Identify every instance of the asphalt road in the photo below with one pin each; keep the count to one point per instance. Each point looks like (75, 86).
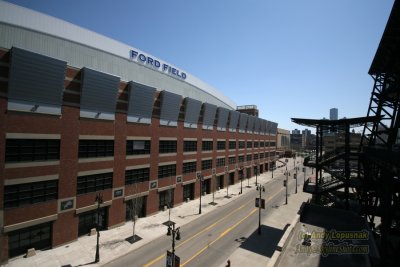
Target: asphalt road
(210, 239)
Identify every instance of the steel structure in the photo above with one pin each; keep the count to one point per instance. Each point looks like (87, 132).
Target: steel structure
(365, 178)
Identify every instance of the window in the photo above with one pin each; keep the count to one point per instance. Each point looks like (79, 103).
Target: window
(272, 143)
(256, 144)
(38, 237)
(189, 146)
(188, 191)
(241, 158)
(249, 157)
(166, 171)
(94, 182)
(220, 162)
(206, 164)
(241, 144)
(26, 150)
(249, 144)
(232, 160)
(167, 146)
(255, 156)
(88, 221)
(189, 167)
(137, 147)
(262, 144)
(207, 145)
(96, 148)
(272, 153)
(266, 154)
(232, 144)
(137, 176)
(221, 145)
(26, 194)
(261, 155)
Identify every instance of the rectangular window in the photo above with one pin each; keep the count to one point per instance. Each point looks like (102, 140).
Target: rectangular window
(221, 145)
(241, 158)
(189, 146)
(220, 162)
(206, 164)
(249, 144)
(26, 194)
(272, 144)
(207, 145)
(137, 147)
(96, 148)
(94, 183)
(262, 144)
(166, 171)
(256, 144)
(272, 153)
(249, 157)
(255, 156)
(266, 154)
(232, 144)
(261, 155)
(137, 176)
(189, 167)
(242, 144)
(167, 146)
(26, 150)
(232, 160)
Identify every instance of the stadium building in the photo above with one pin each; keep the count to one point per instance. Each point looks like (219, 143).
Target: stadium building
(82, 115)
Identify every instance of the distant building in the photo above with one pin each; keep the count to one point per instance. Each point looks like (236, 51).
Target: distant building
(333, 114)
(283, 141)
(296, 131)
(248, 109)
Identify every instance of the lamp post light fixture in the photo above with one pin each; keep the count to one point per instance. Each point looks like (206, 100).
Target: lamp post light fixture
(259, 188)
(256, 169)
(241, 179)
(176, 235)
(99, 200)
(200, 177)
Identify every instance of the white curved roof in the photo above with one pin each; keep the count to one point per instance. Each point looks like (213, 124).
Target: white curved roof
(39, 22)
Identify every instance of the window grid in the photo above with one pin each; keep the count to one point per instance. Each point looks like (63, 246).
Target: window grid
(167, 146)
(206, 164)
(189, 167)
(249, 144)
(256, 144)
(137, 147)
(241, 158)
(261, 155)
(255, 156)
(166, 171)
(189, 146)
(232, 160)
(26, 150)
(207, 145)
(249, 158)
(221, 145)
(94, 183)
(242, 144)
(137, 176)
(220, 162)
(96, 148)
(26, 194)
(232, 144)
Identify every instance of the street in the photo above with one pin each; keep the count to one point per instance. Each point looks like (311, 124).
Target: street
(210, 239)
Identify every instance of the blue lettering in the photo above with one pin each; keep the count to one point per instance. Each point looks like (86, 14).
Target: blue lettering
(165, 67)
(183, 75)
(142, 58)
(133, 54)
(149, 61)
(174, 71)
(157, 64)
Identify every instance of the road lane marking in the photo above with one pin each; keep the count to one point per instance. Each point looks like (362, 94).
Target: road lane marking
(208, 228)
(220, 236)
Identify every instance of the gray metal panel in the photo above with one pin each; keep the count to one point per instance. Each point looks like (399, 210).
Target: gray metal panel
(170, 106)
(263, 126)
(209, 115)
(99, 91)
(257, 125)
(222, 118)
(268, 127)
(274, 127)
(192, 112)
(36, 78)
(243, 121)
(250, 125)
(234, 118)
(141, 102)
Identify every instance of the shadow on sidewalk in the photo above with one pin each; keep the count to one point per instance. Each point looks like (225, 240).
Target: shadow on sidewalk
(264, 244)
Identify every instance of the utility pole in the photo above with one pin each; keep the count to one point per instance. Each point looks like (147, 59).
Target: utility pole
(99, 200)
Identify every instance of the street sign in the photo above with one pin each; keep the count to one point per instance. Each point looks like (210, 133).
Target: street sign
(169, 260)
(262, 203)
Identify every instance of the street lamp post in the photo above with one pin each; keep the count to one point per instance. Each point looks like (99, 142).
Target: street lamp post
(200, 178)
(259, 188)
(286, 184)
(256, 173)
(176, 235)
(99, 200)
(296, 168)
(241, 179)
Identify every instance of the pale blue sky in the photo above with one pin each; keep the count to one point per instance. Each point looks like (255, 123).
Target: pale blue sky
(291, 58)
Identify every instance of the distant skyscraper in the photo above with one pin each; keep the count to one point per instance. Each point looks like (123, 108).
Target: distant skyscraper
(333, 114)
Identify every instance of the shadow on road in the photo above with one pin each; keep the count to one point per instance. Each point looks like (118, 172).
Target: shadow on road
(264, 244)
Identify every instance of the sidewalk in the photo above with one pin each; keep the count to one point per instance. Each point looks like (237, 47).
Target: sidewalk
(113, 243)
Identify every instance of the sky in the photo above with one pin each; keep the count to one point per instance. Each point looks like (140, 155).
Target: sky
(291, 58)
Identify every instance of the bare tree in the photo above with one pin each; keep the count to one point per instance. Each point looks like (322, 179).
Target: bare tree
(134, 206)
